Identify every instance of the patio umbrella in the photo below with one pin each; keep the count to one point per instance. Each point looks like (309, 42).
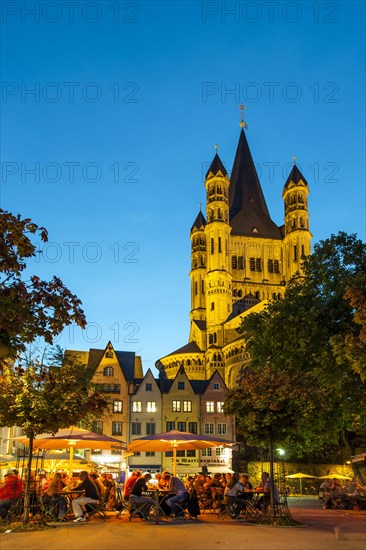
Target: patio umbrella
(300, 476)
(173, 440)
(58, 460)
(334, 476)
(74, 438)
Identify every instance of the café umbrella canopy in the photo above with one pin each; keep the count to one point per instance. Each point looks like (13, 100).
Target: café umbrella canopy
(334, 476)
(74, 438)
(300, 476)
(175, 440)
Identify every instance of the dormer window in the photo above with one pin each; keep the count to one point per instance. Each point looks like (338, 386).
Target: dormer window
(109, 354)
(108, 371)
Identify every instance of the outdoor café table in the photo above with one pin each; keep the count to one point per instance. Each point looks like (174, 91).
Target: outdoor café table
(159, 496)
(70, 496)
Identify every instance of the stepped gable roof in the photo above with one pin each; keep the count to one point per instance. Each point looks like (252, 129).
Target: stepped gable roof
(199, 221)
(191, 347)
(249, 215)
(295, 176)
(216, 166)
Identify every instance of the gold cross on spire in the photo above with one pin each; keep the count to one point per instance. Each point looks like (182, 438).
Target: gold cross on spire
(294, 159)
(200, 206)
(242, 123)
(217, 149)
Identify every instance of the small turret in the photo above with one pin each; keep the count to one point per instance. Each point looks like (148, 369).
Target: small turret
(297, 233)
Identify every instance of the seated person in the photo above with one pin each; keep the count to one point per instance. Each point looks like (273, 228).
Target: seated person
(213, 487)
(181, 494)
(91, 496)
(247, 487)
(199, 483)
(10, 491)
(232, 489)
(137, 498)
(99, 485)
(130, 483)
(265, 487)
(52, 496)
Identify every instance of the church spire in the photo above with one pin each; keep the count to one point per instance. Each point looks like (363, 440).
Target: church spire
(216, 166)
(249, 214)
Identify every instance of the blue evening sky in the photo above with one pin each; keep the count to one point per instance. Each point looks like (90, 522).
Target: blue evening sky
(128, 101)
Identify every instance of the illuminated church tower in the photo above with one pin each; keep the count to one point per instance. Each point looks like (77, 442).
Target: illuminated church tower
(240, 260)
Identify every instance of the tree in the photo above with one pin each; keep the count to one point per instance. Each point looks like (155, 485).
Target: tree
(30, 307)
(40, 398)
(33, 396)
(303, 388)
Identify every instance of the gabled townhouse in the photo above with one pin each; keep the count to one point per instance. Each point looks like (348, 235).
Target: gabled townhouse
(145, 413)
(214, 422)
(181, 411)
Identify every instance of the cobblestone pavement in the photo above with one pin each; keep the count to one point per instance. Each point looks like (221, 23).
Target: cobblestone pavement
(322, 530)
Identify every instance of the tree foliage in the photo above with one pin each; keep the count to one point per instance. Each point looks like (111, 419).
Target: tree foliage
(40, 398)
(30, 307)
(305, 378)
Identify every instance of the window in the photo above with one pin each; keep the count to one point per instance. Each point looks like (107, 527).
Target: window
(136, 428)
(148, 386)
(220, 451)
(109, 388)
(220, 406)
(182, 426)
(222, 428)
(240, 262)
(136, 406)
(176, 406)
(116, 428)
(273, 266)
(234, 262)
(97, 427)
(170, 426)
(295, 253)
(180, 385)
(181, 453)
(109, 355)
(209, 428)
(150, 453)
(210, 406)
(255, 264)
(212, 306)
(195, 288)
(219, 237)
(150, 428)
(168, 453)
(212, 246)
(108, 371)
(117, 406)
(192, 427)
(151, 406)
(187, 406)
(216, 386)
(206, 452)
(191, 454)
(137, 453)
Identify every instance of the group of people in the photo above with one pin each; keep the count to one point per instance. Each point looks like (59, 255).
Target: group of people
(333, 493)
(231, 490)
(138, 484)
(49, 491)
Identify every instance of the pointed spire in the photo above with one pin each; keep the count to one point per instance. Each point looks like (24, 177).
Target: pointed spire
(248, 208)
(199, 222)
(295, 176)
(216, 166)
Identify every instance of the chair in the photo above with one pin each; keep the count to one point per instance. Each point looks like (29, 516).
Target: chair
(97, 509)
(135, 510)
(122, 505)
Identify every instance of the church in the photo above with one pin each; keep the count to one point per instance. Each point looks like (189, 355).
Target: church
(240, 260)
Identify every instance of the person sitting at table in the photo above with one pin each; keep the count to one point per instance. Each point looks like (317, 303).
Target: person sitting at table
(90, 496)
(137, 498)
(52, 496)
(199, 483)
(247, 493)
(212, 487)
(99, 485)
(232, 489)
(10, 490)
(265, 487)
(130, 483)
(181, 494)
